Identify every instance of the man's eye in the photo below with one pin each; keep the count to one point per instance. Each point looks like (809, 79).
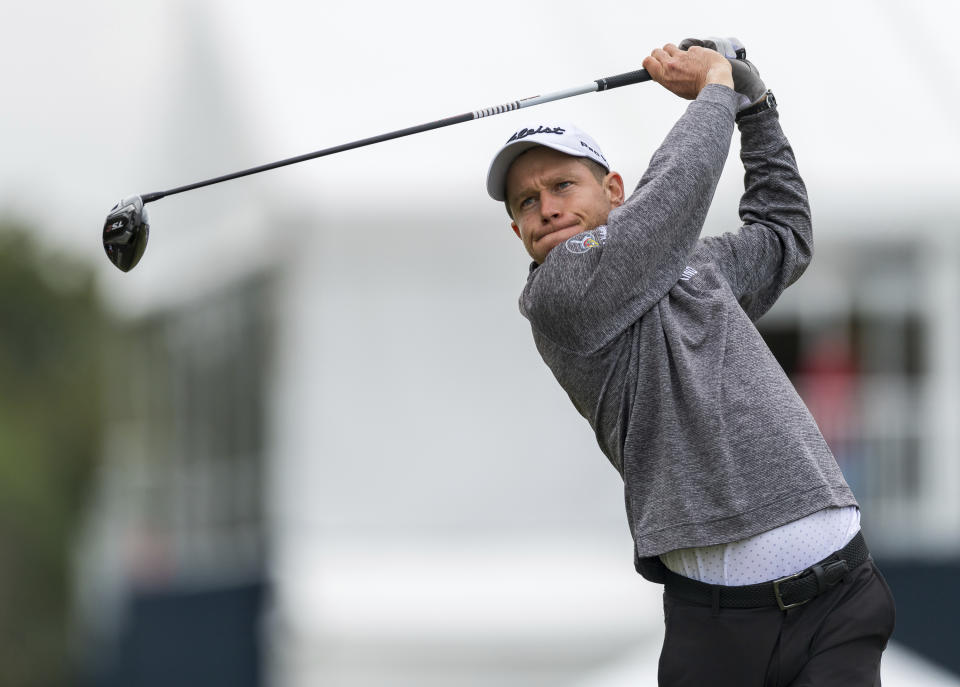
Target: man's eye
(526, 202)
(564, 184)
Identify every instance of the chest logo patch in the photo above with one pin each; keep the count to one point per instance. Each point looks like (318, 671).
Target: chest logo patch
(582, 243)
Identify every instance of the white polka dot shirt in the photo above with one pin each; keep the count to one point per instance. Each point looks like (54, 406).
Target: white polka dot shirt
(769, 555)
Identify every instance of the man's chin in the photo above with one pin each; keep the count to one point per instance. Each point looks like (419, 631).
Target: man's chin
(554, 239)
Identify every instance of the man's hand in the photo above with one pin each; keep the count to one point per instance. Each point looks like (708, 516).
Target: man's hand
(686, 72)
(746, 78)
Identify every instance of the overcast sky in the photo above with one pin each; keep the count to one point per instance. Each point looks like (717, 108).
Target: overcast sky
(102, 98)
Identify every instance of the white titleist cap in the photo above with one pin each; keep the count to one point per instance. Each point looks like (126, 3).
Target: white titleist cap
(565, 138)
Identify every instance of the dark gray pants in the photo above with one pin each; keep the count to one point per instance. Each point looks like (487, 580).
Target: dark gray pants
(835, 639)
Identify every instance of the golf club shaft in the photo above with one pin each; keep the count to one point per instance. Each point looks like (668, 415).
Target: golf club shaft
(599, 85)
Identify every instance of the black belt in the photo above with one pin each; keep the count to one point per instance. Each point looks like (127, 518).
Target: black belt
(787, 592)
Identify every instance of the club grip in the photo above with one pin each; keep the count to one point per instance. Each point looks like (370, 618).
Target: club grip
(625, 79)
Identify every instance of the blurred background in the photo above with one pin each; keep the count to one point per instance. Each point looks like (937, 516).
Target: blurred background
(308, 440)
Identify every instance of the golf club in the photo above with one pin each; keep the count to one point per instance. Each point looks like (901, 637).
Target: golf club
(127, 227)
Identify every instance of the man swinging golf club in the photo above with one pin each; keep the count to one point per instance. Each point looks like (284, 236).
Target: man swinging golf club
(733, 498)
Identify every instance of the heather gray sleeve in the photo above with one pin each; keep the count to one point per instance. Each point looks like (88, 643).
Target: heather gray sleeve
(775, 244)
(593, 287)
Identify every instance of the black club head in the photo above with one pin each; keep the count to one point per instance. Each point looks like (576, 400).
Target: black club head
(125, 233)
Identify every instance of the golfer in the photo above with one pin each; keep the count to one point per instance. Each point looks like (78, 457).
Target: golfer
(733, 498)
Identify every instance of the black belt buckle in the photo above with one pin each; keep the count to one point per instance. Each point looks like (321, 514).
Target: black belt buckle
(776, 591)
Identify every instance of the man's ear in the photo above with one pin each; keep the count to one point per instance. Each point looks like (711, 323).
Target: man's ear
(613, 187)
(516, 230)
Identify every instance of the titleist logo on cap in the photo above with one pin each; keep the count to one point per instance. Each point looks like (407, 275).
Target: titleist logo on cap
(523, 133)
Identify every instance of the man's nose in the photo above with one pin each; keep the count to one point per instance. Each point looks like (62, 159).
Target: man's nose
(549, 206)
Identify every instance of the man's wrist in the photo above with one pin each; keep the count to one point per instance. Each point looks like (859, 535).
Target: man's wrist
(721, 75)
(767, 102)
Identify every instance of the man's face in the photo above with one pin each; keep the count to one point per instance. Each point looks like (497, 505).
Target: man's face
(554, 196)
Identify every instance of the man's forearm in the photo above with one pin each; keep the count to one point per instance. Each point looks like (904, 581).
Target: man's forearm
(774, 193)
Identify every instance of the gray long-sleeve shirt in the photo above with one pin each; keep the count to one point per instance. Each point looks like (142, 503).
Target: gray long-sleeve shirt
(649, 329)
